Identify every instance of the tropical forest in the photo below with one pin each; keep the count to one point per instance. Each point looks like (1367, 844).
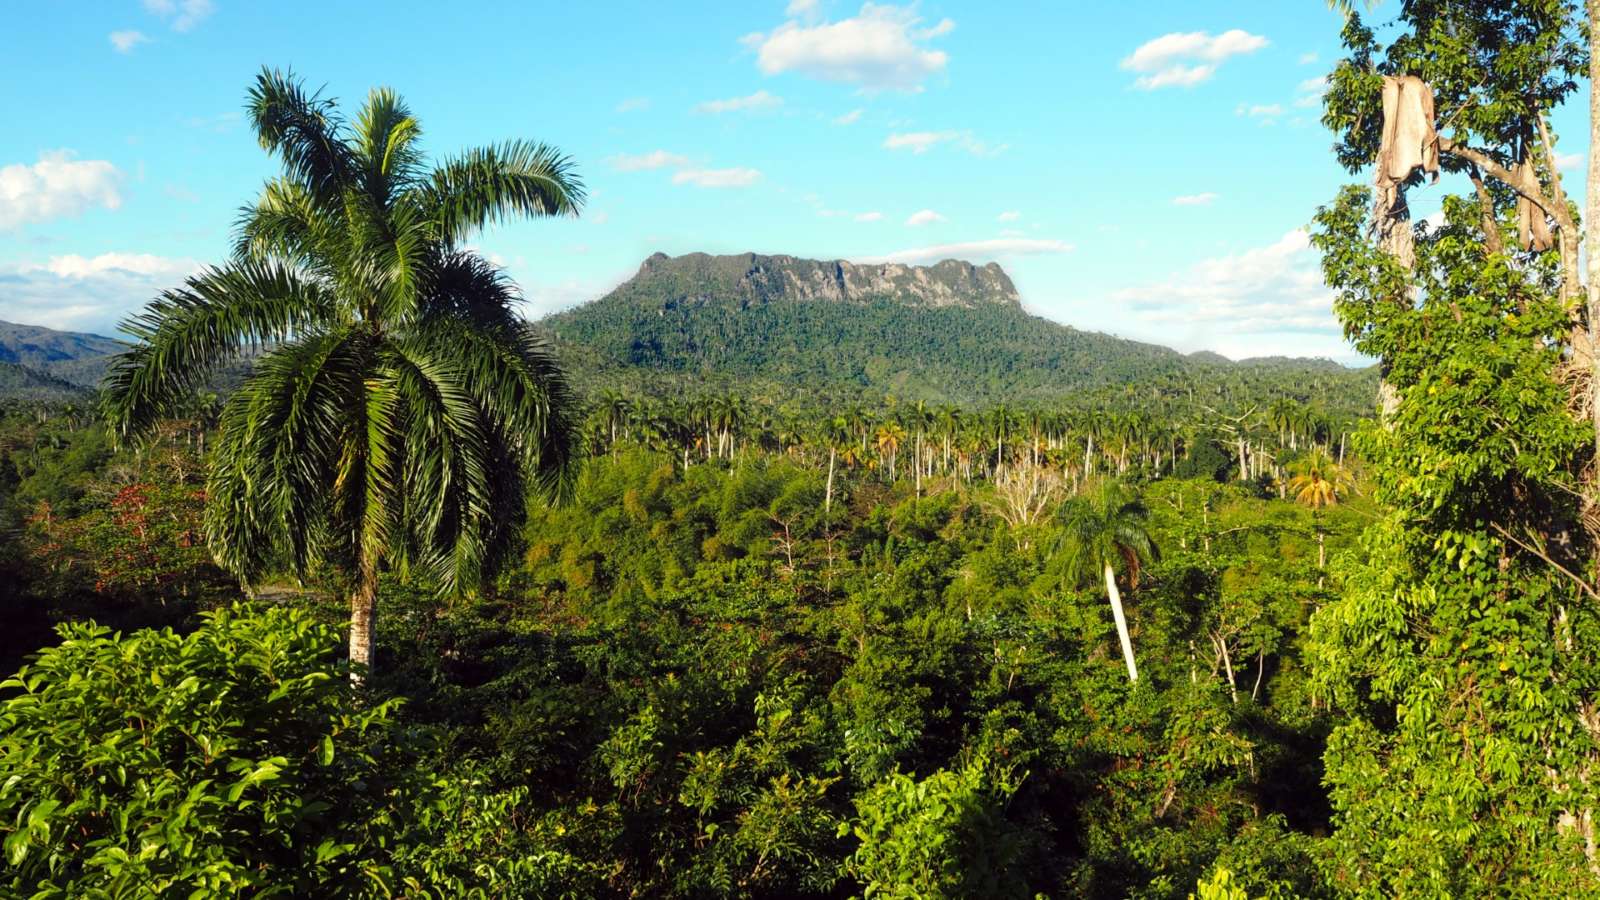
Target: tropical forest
(413, 484)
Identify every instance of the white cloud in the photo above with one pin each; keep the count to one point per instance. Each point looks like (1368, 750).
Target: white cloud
(125, 41)
(1307, 59)
(798, 9)
(924, 217)
(973, 250)
(87, 293)
(718, 178)
(922, 141)
(1009, 215)
(1187, 59)
(881, 48)
(758, 100)
(655, 159)
(1311, 91)
(1568, 162)
(918, 141)
(183, 14)
(1241, 302)
(634, 104)
(873, 216)
(1259, 110)
(1202, 199)
(849, 118)
(1176, 76)
(57, 185)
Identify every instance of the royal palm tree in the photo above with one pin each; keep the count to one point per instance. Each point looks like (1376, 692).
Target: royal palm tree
(1103, 528)
(1318, 483)
(400, 408)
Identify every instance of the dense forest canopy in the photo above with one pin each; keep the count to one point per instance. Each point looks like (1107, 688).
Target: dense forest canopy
(821, 582)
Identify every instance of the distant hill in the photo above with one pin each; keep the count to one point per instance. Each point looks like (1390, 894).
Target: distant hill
(951, 332)
(70, 356)
(24, 383)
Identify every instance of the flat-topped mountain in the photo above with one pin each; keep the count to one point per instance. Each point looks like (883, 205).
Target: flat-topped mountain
(756, 278)
(950, 332)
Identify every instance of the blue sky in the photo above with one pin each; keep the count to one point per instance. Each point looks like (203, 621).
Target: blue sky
(1140, 168)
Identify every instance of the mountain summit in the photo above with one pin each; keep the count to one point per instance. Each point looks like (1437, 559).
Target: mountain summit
(750, 278)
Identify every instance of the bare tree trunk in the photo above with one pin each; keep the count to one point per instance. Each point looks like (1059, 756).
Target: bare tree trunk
(1122, 622)
(1591, 218)
(827, 501)
(1227, 667)
(363, 613)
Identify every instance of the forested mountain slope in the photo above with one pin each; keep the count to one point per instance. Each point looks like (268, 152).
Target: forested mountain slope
(72, 356)
(952, 332)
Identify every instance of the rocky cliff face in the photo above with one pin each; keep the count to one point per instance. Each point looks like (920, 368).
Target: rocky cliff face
(754, 278)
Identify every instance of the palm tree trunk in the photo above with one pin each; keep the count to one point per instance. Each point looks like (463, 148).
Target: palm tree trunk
(1122, 622)
(827, 501)
(363, 612)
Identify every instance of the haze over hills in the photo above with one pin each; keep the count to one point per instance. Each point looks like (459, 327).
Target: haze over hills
(46, 362)
(950, 332)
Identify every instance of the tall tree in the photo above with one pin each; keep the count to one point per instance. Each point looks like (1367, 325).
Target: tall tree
(1460, 656)
(400, 409)
(1103, 529)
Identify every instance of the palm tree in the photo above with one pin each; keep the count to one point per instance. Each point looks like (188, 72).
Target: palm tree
(401, 408)
(1102, 527)
(1318, 483)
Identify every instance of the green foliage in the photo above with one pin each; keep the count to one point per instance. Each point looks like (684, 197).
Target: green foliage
(228, 761)
(943, 836)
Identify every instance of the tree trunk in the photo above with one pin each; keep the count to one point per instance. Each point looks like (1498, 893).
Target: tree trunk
(1591, 218)
(827, 498)
(363, 612)
(1122, 622)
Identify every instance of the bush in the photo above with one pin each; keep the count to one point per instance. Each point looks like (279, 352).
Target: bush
(220, 763)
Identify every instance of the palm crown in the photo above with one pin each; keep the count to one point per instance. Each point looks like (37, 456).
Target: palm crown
(399, 408)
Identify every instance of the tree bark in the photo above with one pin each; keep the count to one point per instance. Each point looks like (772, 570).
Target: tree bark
(1122, 622)
(1591, 216)
(363, 613)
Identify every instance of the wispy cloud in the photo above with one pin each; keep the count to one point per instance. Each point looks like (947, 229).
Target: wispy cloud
(1187, 59)
(57, 186)
(757, 101)
(923, 141)
(1311, 91)
(977, 251)
(184, 15)
(923, 217)
(873, 216)
(634, 104)
(718, 178)
(1009, 215)
(1268, 112)
(882, 47)
(125, 41)
(655, 159)
(849, 118)
(1202, 199)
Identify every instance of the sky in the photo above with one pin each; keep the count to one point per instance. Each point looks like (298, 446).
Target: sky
(1145, 169)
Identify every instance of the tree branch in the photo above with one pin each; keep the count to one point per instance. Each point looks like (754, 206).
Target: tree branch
(1587, 588)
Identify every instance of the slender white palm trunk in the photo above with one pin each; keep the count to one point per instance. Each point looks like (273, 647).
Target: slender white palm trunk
(1122, 622)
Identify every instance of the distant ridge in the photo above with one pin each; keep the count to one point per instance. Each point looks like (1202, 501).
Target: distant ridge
(75, 357)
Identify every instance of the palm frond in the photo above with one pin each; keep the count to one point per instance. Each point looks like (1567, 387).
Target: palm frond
(185, 334)
(270, 494)
(304, 130)
(489, 184)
